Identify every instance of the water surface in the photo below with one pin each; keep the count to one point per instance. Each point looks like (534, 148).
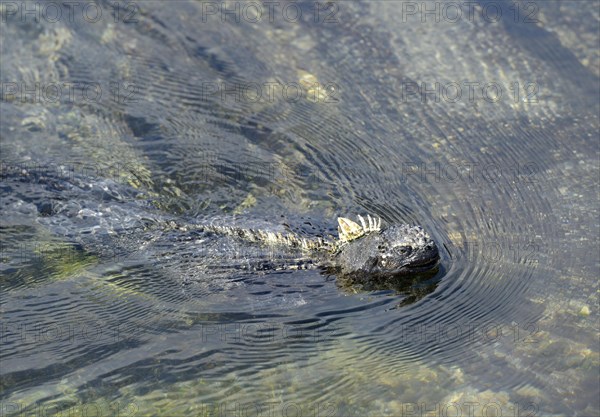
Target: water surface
(481, 128)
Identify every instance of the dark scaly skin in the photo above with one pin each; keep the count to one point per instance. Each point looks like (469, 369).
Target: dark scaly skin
(394, 251)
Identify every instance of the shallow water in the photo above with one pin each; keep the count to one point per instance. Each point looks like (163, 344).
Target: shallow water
(504, 178)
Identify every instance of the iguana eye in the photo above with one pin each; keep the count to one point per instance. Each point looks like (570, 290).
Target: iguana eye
(404, 249)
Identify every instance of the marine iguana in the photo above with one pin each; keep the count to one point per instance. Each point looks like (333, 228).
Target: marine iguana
(103, 217)
(364, 251)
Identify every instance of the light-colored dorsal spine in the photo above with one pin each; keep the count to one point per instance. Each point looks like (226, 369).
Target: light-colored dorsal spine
(348, 230)
(274, 238)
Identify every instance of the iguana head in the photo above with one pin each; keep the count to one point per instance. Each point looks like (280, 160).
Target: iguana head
(369, 250)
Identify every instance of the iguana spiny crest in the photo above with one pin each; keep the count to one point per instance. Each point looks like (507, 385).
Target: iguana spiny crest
(349, 230)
